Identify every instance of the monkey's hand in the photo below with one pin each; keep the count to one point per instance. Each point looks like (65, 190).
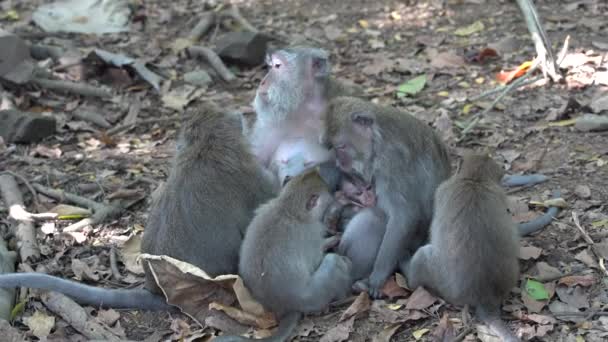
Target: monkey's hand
(376, 282)
(331, 243)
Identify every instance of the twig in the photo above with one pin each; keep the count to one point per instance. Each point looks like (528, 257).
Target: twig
(72, 87)
(574, 313)
(114, 264)
(235, 14)
(590, 242)
(501, 88)
(126, 127)
(467, 330)
(27, 185)
(214, 60)
(24, 231)
(207, 20)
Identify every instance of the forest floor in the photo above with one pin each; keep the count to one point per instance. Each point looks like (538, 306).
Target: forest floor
(379, 45)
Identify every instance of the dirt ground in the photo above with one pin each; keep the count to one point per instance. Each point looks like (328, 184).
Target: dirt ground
(378, 45)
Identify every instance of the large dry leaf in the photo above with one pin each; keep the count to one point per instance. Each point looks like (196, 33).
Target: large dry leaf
(188, 287)
(388, 332)
(340, 332)
(362, 304)
(265, 321)
(420, 299)
(130, 252)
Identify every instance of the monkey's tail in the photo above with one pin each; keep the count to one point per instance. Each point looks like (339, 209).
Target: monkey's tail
(85, 294)
(287, 324)
(540, 222)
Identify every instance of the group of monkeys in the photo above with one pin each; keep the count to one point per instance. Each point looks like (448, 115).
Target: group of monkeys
(260, 196)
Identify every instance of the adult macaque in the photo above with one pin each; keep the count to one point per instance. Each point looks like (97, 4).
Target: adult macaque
(472, 255)
(289, 103)
(200, 216)
(404, 159)
(282, 261)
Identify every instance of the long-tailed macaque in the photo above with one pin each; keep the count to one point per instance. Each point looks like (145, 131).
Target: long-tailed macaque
(200, 217)
(472, 255)
(404, 159)
(282, 261)
(289, 103)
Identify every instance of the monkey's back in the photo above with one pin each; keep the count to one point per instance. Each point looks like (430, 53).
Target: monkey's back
(210, 196)
(479, 243)
(278, 256)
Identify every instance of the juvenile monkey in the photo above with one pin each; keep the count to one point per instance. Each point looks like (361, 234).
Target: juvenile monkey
(200, 217)
(282, 261)
(404, 159)
(289, 103)
(472, 255)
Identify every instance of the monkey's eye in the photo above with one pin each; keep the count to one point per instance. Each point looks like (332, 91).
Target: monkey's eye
(359, 193)
(312, 202)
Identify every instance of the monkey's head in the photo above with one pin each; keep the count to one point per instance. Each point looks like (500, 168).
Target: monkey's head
(351, 131)
(479, 167)
(306, 196)
(296, 76)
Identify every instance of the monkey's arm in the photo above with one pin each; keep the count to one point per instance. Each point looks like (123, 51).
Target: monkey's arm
(521, 180)
(85, 294)
(400, 228)
(540, 222)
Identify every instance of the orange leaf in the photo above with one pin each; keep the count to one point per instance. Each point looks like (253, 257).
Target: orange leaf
(505, 77)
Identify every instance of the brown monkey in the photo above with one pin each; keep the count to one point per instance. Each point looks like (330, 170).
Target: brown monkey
(200, 217)
(289, 103)
(472, 255)
(404, 159)
(282, 261)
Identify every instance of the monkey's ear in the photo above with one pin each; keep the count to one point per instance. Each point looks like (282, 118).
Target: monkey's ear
(364, 119)
(320, 66)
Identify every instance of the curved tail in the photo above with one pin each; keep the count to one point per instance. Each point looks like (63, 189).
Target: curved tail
(537, 224)
(286, 326)
(86, 294)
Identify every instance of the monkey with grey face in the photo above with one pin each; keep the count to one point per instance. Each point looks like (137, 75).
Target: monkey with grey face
(403, 158)
(200, 217)
(472, 255)
(282, 260)
(289, 103)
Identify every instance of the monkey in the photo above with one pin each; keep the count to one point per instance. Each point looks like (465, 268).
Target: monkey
(474, 244)
(282, 261)
(404, 159)
(289, 103)
(214, 186)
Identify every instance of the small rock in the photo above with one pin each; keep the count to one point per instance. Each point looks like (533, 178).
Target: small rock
(599, 104)
(582, 191)
(243, 47)
(199, 78)
(591, 122)
(24, 127)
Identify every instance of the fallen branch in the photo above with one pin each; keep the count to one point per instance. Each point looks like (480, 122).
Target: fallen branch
(234, 13)
(204, 24)
(590, 242)
(114, 264)
(214, 60)
(126, 127)
(72, 87)
(101, 212)
(27, 185)
(25, 232)
(7, 265)
(77, 317)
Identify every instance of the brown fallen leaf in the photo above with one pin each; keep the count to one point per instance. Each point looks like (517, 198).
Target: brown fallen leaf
(188, 287)
(245, 299)
(575, 297)
(388, 332)
(582, 280)
(445, 330)
(505, 77)
(392, 290)
(420, 299)
(362, 304)
(340, 332)
(265, 322)
(447, 60)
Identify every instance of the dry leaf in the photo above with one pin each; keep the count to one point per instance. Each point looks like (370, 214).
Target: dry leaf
(265, 322)
(340, 332)
(82, 271)
(529, 252)
(582, 280)
(130, 252)
(40, 324)
(245, 299)
(444, 330)
(362, 304)
(388, 332)
(392, 290)
(420, 299)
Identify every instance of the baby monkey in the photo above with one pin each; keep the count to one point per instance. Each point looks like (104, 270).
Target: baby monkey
(474, 244)
(282, 261)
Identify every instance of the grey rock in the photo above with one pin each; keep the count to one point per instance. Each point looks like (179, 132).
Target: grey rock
(245, 47)
(22, 127)
(199, 78)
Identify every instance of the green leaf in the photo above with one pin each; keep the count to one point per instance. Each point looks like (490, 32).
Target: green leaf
(18, 309)
(411, 87)
(536, 290)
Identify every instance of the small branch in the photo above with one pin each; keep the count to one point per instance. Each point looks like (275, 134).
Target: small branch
(234, 13)
(72, 87)
(126, 127)
(24, 231)
(27, 185)
(114, 264)
(590, 242)
(207, 20)
(214, 60)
